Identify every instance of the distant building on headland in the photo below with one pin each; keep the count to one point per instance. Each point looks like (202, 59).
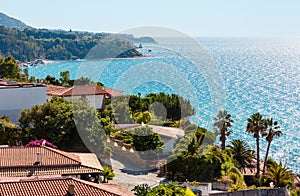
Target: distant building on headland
(16, 96)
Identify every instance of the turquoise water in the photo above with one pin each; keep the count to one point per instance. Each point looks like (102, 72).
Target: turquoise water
(258, 75)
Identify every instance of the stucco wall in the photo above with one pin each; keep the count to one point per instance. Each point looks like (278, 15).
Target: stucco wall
(13, 100)
(94, 100)
(168, 144)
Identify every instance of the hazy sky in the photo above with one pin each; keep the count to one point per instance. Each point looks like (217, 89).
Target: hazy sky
(193, 17)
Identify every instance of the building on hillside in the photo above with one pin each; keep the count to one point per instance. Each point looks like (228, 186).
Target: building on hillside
(58, 186)
(16, 96)
(113, 92)
(94, 94)
(40, 161)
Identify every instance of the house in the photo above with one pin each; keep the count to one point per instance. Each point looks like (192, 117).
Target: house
(58, 186)
(16, 96)
(94, 94)
(113, 92)
(40, 161)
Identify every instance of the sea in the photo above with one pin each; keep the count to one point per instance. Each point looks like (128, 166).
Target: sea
(241, 75)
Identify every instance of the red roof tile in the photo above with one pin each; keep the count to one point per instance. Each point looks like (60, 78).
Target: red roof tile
(75, 90)
(12, 84)
(26, 156)
(59, 187)
(113, 92)
(56, 90)
(81, 90)
(84, 90)
(21, 161)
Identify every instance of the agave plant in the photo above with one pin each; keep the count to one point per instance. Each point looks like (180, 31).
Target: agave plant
(279, 174)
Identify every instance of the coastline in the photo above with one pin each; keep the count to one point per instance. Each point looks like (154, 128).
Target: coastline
(47, 61)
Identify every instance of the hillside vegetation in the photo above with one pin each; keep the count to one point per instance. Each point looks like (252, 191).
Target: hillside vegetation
(11, 22)
(29, 44)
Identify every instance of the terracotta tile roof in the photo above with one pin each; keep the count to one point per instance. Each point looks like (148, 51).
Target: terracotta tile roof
(75, 90)
(81, 90)
(42, 171)
(16, 179)
(21, 161)
(252, 171)
(26, 156)
(56, 90)
(59, 187)
(89, 160)
(12, 84)
(113, 92)
(84, 90)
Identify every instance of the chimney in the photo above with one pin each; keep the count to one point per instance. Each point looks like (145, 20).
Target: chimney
(71, 190)
(38, 158)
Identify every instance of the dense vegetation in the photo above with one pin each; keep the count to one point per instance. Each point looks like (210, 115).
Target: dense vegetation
(30, 44)
(153, 108)
(8, 130)
(9, 68)
(58, 121)
(141, 138)
(194, 160)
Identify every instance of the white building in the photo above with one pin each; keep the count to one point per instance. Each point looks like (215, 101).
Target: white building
(16, 96)
(94, 94)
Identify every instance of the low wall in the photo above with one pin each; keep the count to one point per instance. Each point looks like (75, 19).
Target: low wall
(222, 186)
(203, 188)
(131, 158)
(255, 192)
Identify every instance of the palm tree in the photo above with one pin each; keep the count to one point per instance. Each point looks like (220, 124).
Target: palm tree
(257, 126)
(273, 129)
(279, 174)
(107, 174)
(242, 153)
(222, 122)
(195, 143)
(192, 143)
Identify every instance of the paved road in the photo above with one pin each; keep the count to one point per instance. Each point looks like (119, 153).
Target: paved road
(129, 181)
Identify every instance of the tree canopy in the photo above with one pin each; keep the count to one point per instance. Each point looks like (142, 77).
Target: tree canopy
(223, 121)
(132, 107)
(142, 138)
(169, 189)
(9, 131)
(70, 126)
(9, 68)
(30, 44)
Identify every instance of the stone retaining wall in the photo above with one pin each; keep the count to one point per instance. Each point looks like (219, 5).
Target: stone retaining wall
(130, 156)
(255, 192)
